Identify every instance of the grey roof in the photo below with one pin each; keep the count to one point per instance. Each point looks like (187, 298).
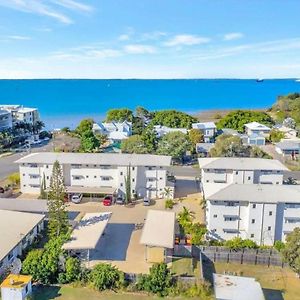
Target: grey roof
(241, 163)
(229, 131)
(119, 159)
(268, 193)
(228, 287)
(14, 226)
(24, 205)
(204, 125)
(289, 145)
(4, 112)
(204, 147)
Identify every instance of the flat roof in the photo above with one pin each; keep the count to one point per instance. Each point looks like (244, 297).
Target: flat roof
(262, 193)
(24, 205)
(288, 145)
(227, 287)
(14, 226)
(88, 231)
(159, 229)
(257, 126)
(90, 190)
(118, 159)
(241, 163)
(204, 125)
(15, 281)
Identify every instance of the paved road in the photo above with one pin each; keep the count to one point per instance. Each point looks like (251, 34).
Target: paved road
(7, 165)
(184, 171)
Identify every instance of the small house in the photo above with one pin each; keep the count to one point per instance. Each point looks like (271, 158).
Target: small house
(257, 128)
(208, 129)
(288, 148)
(16, 287)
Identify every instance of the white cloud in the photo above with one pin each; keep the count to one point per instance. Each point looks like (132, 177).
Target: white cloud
(139, 49)
(104, 53)
(18, 37)
(186, 40)
(155, 35)
(73, 5)
(233, 36)
(124, 37)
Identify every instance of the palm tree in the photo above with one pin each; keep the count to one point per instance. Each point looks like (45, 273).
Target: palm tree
(185, 216)
(37, 126)
(167, 193)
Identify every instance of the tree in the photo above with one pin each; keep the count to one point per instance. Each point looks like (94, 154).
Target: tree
(228, 146)
(143, 113)
(105, 276)
(102, 138)
(84, 125)
(88, 141)
(158, 281)
(173, 119)
(238, 243)
(196, 136)
(37, 127)
(72, 272)
(58, 218)
(134, 144)
(258, 152)
(238, 118)
(291, 251)
(197, 232)
(138, 126)
(119, 115)
(14, 179)
(150, 140)
(174, 144)
(128, 186)
(275, 136)
(185, 217)
(43, 194)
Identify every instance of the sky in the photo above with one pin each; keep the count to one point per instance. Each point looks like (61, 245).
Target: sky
(149, 39)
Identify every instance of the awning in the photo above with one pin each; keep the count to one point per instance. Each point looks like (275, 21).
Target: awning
(87, 233)
(90, 190)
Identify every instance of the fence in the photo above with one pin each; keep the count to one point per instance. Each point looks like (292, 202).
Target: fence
(269, 257)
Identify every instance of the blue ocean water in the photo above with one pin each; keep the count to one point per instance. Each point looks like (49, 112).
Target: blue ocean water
(64, 102)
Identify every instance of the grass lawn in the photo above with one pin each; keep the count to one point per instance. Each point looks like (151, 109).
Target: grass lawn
(81, 293)
(186, 266)
(277, 283)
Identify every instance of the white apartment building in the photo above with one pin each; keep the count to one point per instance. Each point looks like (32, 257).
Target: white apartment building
(97, 173)
(5, 120)
(245, 198)
(209, 130)
(22, 114)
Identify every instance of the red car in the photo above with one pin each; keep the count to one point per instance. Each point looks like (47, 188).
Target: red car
(107, 201)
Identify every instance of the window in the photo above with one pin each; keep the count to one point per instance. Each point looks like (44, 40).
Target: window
(76, 177)
(133, 191)
(105, 178)
(23, 174)
(254, 205)
(133, 168)
(160, 178)
(34, 176)
(253, 221)
(269, 228)
(249, 178)
(230, 203)
(133, 180)
(236, 172)
(207, 180)
(121, 184)
(215, 216)
(252, 235)
(150, 179)
(75, 166)
(149, 168)
(33, 165)
(270, 213)
(121, 173)
(95, 176)
(87, 176)
(47, 167)
(277, 182)
(47, 177)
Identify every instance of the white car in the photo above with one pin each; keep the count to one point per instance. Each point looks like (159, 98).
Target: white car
(76, 198)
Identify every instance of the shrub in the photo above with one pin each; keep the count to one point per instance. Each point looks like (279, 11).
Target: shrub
(105, 276)
(72, 271)
(169, 204)
(279, 245)
(14, 179)
(238, 243)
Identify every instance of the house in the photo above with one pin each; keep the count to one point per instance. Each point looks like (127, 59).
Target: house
(246, 198)
(253, 140)
(257, 128)
(114, 131)
(208, 129)
(228, 287)
(17, 231)
(204, 148)
(288, 148)
(5, 120)
(16, 287)
(158, 235)
(97, 173)
(22, 114)
(289, 133)
(163, 130)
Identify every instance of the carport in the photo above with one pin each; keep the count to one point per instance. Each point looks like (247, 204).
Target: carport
(91, 190)
(87, 234)
(158, 235)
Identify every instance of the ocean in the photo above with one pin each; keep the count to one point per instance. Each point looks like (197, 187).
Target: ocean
(64, 102)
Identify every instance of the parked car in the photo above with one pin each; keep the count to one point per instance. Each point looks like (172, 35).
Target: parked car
(107, 201)
(2, 190)
(120, 200)
(146, 201)
(76, 198)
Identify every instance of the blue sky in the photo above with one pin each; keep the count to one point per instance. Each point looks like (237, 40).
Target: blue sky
(149, 38)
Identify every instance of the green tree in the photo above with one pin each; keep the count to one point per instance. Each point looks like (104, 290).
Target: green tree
(158, 281)
(185, 217)
(84, 125)
(291, 251)
(276, 136)
(229, 146)
(173, 119)
(196, 136)
(88, 141)
(134, 144)
(14, 179)
(119, 115)
(237, 119)
(197, 232)
(150, 140)
(43, 194)
(143, 113)
(138, 126)
(105, 276)
(72, 272)
(58, 218)
(258, 152)
(279, 245)
(174, 144)
(32, 264)
(128, 185)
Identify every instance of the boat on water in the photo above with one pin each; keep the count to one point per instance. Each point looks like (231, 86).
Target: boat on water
(259, 80)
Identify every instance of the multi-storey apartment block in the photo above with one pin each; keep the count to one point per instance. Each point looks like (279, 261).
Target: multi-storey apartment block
(5, 120)
(245, 198)
(97, 173)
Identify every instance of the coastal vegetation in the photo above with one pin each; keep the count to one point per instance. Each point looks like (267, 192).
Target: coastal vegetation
(275, 136)
(238, 118)
(196, 136)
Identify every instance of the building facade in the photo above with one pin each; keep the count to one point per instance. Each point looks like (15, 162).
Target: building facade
(209, 130)
(257, 128)
(245, 197)
(147, 173)
(5, 120)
